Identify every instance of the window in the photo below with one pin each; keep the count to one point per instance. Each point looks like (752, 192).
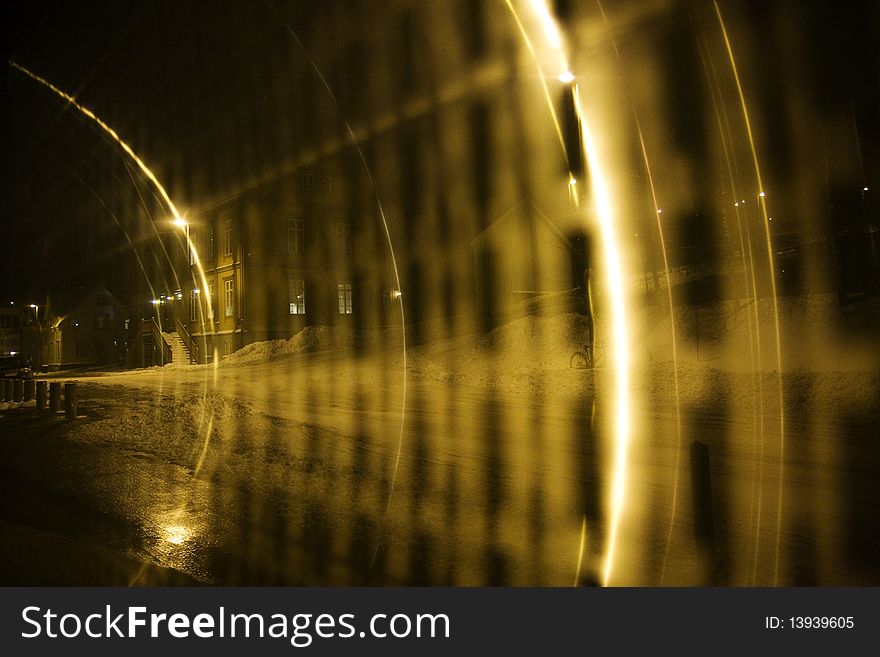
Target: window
(194, 306)
(297, 294)
(209, 241)
(100, 322)
(229, 297)
(79, 347)
(343, 239)
(343, 294)
(295, 237)
(329, 184)
(307, 181)
(227, 241)
(213, 297)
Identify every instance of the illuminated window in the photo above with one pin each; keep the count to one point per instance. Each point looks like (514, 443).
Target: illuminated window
(295, 237)
(213, 298)
(343, 239)
(329, 184)
(297, 294)
(229, 297)
(343, 294)
(227, 231)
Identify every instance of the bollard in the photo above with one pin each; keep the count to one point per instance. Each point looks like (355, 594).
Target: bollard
(42, 387)
(7, 389)
(55, 396)
(70, 400)
(704, 524)
(17, 390)
(29, 386)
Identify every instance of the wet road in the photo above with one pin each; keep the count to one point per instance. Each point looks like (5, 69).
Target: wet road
(306, 479)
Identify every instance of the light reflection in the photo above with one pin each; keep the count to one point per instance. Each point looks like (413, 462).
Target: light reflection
(177, 534)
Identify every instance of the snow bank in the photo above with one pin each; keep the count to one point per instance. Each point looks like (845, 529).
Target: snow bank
(309, 339)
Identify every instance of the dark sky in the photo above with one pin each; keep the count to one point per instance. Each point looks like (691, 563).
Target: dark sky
(116, 56)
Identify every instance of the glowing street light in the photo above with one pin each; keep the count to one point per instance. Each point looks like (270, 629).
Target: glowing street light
(566, 77)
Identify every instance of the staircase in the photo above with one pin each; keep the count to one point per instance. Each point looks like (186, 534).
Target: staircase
(179, 353)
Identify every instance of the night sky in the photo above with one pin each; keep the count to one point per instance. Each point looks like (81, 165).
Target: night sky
(116, 57)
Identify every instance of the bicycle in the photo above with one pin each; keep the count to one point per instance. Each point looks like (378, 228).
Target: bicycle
(582, 359)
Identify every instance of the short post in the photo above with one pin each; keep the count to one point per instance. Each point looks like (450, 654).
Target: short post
(55, 396)
(70, 400)
(17, 390)
(8, 385)
(29, 387)
(704, 525)
(42, 388)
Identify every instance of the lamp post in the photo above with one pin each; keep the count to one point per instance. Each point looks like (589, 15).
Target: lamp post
(39, 354)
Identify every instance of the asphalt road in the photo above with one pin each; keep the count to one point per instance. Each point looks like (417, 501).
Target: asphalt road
(303, 474)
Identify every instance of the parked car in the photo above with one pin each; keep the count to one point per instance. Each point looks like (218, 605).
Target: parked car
(13, 367)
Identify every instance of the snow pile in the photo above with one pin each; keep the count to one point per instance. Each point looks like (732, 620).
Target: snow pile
(309, 339)
(530, 343)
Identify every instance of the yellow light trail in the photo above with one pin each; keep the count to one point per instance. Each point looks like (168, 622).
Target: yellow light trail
(749, 284)
(619, 342)
(128, 150)
(772, 270)
(620, 338)
(553, 36)
(178, 219)
(658, 212)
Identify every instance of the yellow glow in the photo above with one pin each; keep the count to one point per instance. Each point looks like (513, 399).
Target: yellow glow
(619, 342)
(177, 534)
(180, 223)
(137, 160)
(619, 339)
(566, 77)
(541, 76)
(551, 32)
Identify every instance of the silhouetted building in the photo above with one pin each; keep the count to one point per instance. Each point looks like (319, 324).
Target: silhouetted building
(86, 326)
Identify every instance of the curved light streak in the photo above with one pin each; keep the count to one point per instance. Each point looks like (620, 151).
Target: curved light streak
(178, 219)
(749, 286)
(128, 150)
(658, 212)
(620, 357)
(772, 269)
(354, 141)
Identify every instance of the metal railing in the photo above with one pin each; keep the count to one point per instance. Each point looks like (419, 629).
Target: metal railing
(192, 347)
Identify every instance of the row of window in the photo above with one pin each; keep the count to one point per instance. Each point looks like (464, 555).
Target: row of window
(296, 291)
(296, 239)
(307, 182)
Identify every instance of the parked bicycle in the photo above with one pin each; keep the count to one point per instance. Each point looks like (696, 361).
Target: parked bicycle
(582, 359)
